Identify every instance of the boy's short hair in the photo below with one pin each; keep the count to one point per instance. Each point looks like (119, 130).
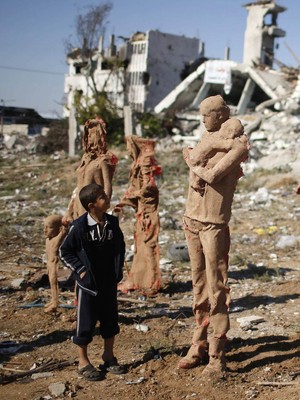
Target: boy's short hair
(90, 193)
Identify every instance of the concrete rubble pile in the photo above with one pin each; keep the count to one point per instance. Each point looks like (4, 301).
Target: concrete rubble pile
(275, 144)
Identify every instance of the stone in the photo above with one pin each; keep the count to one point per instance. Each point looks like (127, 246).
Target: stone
(251, 319)
(17, 283)
(57, 389)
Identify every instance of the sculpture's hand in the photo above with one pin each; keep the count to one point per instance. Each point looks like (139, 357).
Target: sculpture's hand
(66, 219)
(82, 274)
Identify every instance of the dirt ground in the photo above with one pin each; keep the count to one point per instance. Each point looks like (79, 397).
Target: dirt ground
(263, 358)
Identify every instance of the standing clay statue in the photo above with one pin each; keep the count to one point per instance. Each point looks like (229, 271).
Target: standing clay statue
(220, 141)
(97, 166)
(55, 233)
(143, 197)
(215, 161)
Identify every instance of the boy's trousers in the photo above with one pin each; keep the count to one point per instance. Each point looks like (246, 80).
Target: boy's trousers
(90, 309)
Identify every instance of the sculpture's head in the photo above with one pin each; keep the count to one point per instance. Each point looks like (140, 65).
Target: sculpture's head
(136, 145)
(52, 225)
(94, 136)
(215, 112)
(232, 128)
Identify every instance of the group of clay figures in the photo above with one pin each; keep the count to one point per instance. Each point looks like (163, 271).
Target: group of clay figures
(215, 167)
(98, 166)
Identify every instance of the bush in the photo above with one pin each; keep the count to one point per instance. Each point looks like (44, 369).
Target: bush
(56, 139)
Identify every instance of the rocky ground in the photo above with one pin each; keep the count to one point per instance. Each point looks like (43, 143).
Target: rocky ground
(37, 357)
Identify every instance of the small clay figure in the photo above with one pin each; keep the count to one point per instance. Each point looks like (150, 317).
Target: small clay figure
(229, 137)
(97, 165)
(206, 218)
(143, 197)
(55, 233)
(298, 189)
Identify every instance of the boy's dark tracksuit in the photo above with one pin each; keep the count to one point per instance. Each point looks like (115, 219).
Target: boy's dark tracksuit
(101, 254)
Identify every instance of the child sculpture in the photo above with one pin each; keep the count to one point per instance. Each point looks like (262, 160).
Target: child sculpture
(143, 196)
(206, 219)
(55, 233)
(97, 166)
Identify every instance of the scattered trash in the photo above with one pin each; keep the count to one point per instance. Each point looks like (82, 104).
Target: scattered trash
(179, 252)
(261, 196)
(287, 241)
(270, 230)
(247, 323)
(164, 261)
(140, 380)
(10, 347)
(40, 375)
(17, 283)
(142, 327)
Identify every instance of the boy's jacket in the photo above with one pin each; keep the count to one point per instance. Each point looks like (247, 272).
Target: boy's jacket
(73, 253)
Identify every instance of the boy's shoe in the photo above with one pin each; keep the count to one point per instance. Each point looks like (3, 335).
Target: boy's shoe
(113, 367)
(90, 373)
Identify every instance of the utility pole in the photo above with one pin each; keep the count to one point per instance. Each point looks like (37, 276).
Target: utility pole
(2, 115)
(2, 111)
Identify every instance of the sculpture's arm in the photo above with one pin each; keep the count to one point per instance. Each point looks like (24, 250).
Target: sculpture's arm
(67, 218)
(102, 176)
(230, 161)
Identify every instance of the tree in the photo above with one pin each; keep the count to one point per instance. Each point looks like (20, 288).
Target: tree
(88, 29)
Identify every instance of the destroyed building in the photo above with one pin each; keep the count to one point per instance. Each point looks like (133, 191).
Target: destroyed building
(244, 85)
(140, 73)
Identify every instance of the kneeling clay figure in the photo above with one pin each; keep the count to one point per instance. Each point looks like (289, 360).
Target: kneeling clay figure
(55, 233)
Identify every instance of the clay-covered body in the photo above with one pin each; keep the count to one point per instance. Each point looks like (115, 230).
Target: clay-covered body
(214, 171)
(55, 233)
(143, 196)
(97, 166)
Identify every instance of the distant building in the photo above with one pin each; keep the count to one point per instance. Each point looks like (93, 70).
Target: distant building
(155, 67)
(21, 120)
(148, 66)
(243, 86)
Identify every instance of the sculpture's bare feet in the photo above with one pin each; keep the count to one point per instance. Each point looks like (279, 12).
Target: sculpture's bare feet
(126, 286)
(215, 370)
(52, 307)
(195, 356)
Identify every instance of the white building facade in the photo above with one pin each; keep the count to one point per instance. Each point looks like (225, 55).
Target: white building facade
(155, 67)
(155, 63)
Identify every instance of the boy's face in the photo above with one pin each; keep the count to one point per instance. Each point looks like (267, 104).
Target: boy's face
(102, 204)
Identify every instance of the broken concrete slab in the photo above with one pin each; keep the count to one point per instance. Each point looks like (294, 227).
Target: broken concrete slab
(251, 319)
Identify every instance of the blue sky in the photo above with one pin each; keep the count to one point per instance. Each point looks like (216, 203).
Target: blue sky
(32, 34)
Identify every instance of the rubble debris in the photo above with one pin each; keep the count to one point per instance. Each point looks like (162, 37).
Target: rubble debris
(57, 389)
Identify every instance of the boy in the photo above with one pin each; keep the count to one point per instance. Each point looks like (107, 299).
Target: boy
(54, 232)
(94, 249)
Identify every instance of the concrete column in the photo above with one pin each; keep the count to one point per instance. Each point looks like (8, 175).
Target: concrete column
(246, 96)
(201, 95)
(72, 132)
(128, 121)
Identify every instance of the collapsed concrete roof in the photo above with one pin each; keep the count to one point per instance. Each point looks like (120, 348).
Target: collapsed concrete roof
(248, 85)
